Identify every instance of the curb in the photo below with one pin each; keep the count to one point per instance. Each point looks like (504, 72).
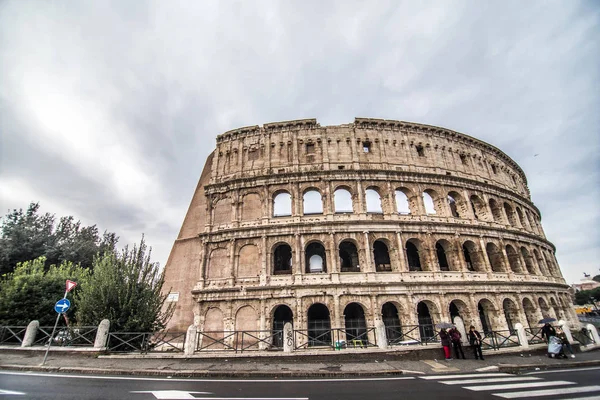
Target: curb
(202, 373)
(515, 369)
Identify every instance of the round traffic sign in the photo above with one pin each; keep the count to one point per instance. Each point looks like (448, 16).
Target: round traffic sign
(62, 306)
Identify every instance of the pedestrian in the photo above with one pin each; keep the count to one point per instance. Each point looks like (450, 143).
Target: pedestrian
(548, 331)
(565, 341)
(445, 338)
(455, 337)
(475, 341)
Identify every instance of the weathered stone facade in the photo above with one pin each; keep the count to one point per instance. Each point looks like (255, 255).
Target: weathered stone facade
(374, 220)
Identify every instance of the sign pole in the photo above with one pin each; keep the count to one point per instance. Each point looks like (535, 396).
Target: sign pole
(53, 330)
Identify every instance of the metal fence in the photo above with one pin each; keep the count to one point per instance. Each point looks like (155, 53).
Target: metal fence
(584, 337)
(83, 336)
(496, 340)
(145, 342)
(534, 335)
(12, 335)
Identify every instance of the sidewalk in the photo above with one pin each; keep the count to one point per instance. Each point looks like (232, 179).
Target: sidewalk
(325, 365)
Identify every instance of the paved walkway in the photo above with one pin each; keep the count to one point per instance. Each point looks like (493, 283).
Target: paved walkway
(325, 365)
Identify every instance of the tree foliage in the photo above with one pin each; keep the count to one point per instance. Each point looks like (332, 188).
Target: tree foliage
(584, 296)
(125, 288)
(30, 291)
(28, 235)
(596, 278)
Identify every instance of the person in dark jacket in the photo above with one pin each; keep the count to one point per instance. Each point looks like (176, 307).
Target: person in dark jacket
(547, 331)
(475, 341)
(445, 338)
(455, 337)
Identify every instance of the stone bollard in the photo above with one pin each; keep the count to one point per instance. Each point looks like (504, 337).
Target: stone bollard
(592, 329)
(189, 347)
(288, 338)
(460, 326)
(381, 335)
(30, 334)
(566, 329)
(102, 334)
(522, 335)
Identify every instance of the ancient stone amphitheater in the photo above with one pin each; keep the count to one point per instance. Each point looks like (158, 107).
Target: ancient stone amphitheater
(350, 226)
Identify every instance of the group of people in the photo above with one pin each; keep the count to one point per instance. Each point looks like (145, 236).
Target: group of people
(548, 331)
(453, 337)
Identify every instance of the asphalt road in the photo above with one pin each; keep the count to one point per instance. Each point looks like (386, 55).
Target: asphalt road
(567, 384)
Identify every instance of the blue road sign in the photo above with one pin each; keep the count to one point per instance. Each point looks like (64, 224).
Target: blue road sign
(62, 306)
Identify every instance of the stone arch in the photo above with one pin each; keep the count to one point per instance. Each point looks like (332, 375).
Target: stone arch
(355, 322)
(511, 314)
(473, 257)
(495, 257)
(218, 264)
(510, 215)
(251, 207)
(426, 313)
(403, 204)
(248, 262)
(487, 315)
(282, 204)
(457, 204)
(478, 207)
(246, 320)
(429, 197)
(312, 201)
(348, 253)
(373, 200)
(214, 328)
(281, 314)
(513, 259)
(551, 269)
(318, 321)
(458, 308)
(444, 256)
(528, 262)
(415, 255)
(342, 199)
(557, 312)
(540, 262)
(222, 211)
(381, 255)
(522, 219)
(544, 308)
(496, 211)
(531, 313)
(390, 314)
(315, 257)
(282, 258)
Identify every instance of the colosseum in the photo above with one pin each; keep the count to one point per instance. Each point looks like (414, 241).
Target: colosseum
(372, 223)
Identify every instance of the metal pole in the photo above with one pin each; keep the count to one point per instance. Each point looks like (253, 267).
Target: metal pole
(53, 330)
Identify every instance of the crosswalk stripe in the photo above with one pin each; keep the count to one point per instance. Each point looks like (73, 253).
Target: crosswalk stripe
(464, 376)
(518, 385)
(585, 398)
(492, 380)
(548, 392)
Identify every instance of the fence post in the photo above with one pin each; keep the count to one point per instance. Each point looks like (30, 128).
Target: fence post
(592, 329)
(522, 335)
(566, 329)
(102, 334)
(189, 346)
(381, 335)
(30, 334)
(288, 338)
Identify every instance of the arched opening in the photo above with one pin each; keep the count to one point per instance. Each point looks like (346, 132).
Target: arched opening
(472, 257)
(441, 256)
(453, 207)
(402, 204)
(530, 313)
(348, 257)
(556, 308)
(342, 200)
(496, 211)
(412, 253)
(315, 258)
(478, 207)
(426, 328)
(513, 259)
(391, 320)
(319, 325)
(282, 204)
(544, 308)
(428, 202)
(354, 322)
(484, 309)
(540, 262)
(528, 262)
(282, 260)
(312, 202)
(282, 315)
(496, 257)
(454, 312)
(524, 223)
(373, 200)
(510, 314)
(510, 215)
(382, 256)
(458, 308)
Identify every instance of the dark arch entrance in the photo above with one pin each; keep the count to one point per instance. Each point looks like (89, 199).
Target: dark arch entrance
(425, 321)
(484, 318)
(282, 315)
(442, 259)
(319, 325)
(382, 256)
(454, 312)
(354, 321)
(393, 328)
(414, 263)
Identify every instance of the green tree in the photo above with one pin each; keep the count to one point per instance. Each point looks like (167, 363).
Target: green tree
(30, 292)
(596, 278)
(27, 235)
(125, 288)
(585, 296)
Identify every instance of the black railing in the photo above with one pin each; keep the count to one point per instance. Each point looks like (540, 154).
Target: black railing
(583, 337)
(144, 342)
(494, 340)
(215, 340)
(12, 335)
(258, 340)
(83, 336)
(534, 335)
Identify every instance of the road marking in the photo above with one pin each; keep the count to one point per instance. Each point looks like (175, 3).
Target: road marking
(171, 394)
(492, 380)
(274, 380)
(549, 392)
(464, 376)
(11, 392)
(555, 371)
(518, 385)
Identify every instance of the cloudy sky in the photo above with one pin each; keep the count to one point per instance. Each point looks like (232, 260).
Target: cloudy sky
(109, 109)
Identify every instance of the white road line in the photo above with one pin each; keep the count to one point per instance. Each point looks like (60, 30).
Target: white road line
(518, 385)
(549, 392)
(274, 380)
(464, 376)
(556, 371)
(11, 392)
(492, 380)
(585, 398)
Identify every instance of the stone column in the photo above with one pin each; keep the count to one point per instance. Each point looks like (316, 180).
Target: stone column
(522, 335)
(402, 264)
(368, 253)
(264, 272)
(189, 346)
(30, 334)
(288, 338)
(360, 206)
(297, 264)
(337, 313)
(102, 334)
(486, 260)
(435, 265)
(203, 262)
(232, 259)
(381, 334)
